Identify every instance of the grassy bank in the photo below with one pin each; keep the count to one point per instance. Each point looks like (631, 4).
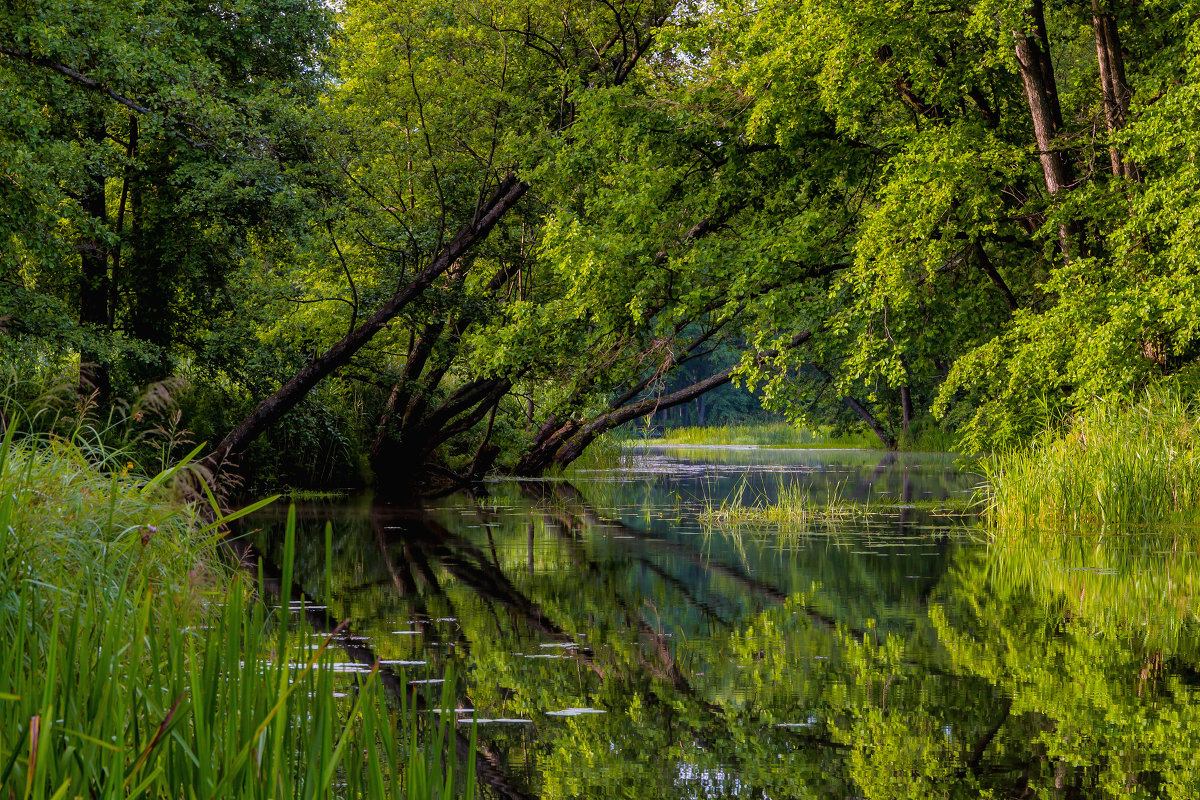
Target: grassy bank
(1117, 463)
(781, 434)
(136, 663)
(773, 434)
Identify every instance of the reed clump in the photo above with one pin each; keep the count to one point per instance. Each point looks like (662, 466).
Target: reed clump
(136, 664)
(1116, 463)
(792, 507)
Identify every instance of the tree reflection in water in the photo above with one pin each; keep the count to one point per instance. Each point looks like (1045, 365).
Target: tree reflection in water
(900, 657)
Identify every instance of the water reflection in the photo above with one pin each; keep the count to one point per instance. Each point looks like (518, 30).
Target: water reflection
(618, 649)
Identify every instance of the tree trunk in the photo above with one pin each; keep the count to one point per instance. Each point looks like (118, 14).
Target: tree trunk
(1041, 93)
(93, 285)
(506, 195)
(906, 409)
(989, 269)
(574, 448)
(125, 208)
(885, 438)
(402, 391)
(1117, 92)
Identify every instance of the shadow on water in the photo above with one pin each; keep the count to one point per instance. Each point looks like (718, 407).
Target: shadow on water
(613, 647)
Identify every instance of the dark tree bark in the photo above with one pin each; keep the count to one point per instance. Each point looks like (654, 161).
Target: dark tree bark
(989, 269)
(491, 211)
(1116, 89)
(1041, 93)
(587, 434)
(402, 391)
(866, 416)
(93, 284)
(561, 444)
(906, 409)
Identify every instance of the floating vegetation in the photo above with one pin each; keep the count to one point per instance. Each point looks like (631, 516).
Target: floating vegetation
(793, 507)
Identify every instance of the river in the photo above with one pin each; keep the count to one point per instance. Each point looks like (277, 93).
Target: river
(610, 645)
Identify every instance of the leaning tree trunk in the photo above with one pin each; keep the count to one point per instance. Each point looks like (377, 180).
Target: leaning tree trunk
(575, 446)
(560, 444)
(510, 190)
(885, 438)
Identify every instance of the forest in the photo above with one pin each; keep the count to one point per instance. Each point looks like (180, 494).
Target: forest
(674, 399)
(417, 242)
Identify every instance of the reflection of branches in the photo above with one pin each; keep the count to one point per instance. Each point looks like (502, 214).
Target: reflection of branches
(488, 767)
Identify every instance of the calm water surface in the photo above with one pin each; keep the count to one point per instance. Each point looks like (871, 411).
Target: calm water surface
(612, 646)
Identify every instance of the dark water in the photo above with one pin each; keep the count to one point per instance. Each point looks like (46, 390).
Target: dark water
(611, 646)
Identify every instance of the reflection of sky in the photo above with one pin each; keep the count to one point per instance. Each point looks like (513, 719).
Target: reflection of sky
(711, 474)
(558, 600)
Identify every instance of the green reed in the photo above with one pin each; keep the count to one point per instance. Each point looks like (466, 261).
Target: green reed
(793, 506)
(773, 434)
(1118, 463)
(137, 664)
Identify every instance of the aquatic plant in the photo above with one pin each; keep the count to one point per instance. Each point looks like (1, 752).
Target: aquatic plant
(138, 664)
(774, 434)
(793, 506)
(1115, 463)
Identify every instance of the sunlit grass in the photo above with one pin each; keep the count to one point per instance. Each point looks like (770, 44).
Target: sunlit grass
(1117, 463)
(136, 663)
(793, 506)
(774, 434)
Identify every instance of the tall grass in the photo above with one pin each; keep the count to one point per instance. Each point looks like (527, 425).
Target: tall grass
(772, 434)
(136, 664)
(781, 434)
(1117, 463)
(792, 507)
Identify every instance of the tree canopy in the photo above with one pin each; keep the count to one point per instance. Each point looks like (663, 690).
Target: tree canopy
(440, 238)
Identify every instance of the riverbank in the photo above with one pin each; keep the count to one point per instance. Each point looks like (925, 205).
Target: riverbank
(1116, 463)
(139, 663)
(782, 434)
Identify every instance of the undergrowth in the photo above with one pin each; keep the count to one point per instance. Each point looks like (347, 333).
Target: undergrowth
(137, 663)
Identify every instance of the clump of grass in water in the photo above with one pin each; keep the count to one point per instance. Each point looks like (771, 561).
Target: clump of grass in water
(794, 507)
(135, 664)
(1118, 463)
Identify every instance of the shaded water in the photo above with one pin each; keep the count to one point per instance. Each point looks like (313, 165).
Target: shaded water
(611, 646)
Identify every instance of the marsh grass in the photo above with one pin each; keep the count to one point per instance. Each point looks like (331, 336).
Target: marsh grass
(1115, 464)
(776, 434)
(793, 507)
(136, 664)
